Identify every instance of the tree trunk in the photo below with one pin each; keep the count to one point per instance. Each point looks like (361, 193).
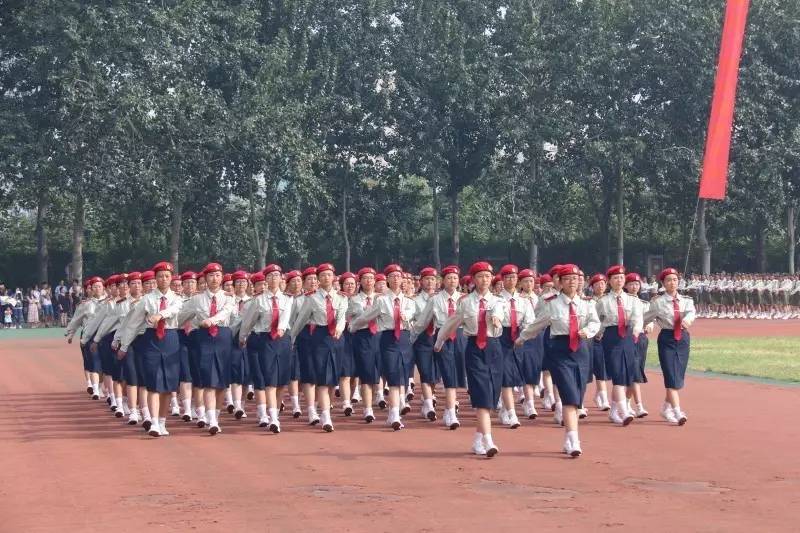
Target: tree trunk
(344, 231)
(263, 246)
(78, 226)
(620, 218)
(533, 256)
(437, 257)
(761, 247)
(175, 236)
(455, 226)
(42, 253)
(791, 230)
(702, 238)
(605, 234)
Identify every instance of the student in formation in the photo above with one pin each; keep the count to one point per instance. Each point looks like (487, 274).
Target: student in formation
(635, 399)
(533, 349)
(107, 360)
(481, 313)
(240, 368)
(130, 378)
(303, 344)
(572, 321)
(294, 290)
(103, 341)
(598, 283)
(346, 360)
(423, 338)
(674, 314)
(366, 351)
(92, 367)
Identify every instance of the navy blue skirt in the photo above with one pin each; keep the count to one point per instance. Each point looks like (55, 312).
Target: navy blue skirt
(512, 360)
(108, 359)
(598, 361)
(674, 357)
(323, 357)
(484, 373)
(92, 362)
(193, 357)
(161, 360)
(447, 365)
(532, 357)
(294, 362)
(570, 369)
(137, 347)
(305, 356)
(345, 357)
(366, 353)
(270, 360)
(128, 364)
(546, 349)
(240, 363)
(620, 356)
(641, 358)
(460, 350)
(213, 358)
(397, 358)
(186, 366)
(424, 358)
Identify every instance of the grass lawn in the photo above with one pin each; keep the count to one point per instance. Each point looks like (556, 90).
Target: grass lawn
(761, 357)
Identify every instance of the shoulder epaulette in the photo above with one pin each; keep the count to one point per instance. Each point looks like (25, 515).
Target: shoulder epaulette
(309, 293)
(551, 297)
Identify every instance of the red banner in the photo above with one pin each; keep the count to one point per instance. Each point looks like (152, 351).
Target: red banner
(714, 179)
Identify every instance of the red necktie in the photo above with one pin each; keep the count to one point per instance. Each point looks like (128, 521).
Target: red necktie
(213, 330)
(241, 304)
(621, 329)
(574, 340)
(273, 330)
(514, 331)
(330, 315)
(161, 328)
(430, 328)
(373, 325)
(451, 310)
(677, 331)
(481, 340)
(397, 319)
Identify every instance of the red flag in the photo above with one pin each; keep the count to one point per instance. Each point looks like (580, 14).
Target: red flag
(718, 141)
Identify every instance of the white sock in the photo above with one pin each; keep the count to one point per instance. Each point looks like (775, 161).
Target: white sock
(295, 403)
(572, 436)
(212, 417)
(146, 413)
(228, 397)
(273, 414)
(162, 423)
(187, 406)
(237, 405)
(201, 411)
(261, 410)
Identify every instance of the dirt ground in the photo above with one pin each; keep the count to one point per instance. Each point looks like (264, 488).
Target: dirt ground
(68, 465)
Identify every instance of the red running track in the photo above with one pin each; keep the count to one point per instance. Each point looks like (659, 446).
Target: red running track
(68, 465)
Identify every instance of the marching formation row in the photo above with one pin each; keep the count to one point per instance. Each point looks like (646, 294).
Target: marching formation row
(156, 342)
(758, 296)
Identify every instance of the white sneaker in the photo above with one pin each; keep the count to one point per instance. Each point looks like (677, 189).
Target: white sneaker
(640, 411)
(406, 409)
(548, 401)
(175, 409)
(369, 416)
(489, 446)
(680, 416)
(614, 415)
(624, 414)
(529, 409)
(327, 423)
(348, 409)
(477, 445)
(356, 396)
(134, 418)
(598, 401)
(513, 421)
(162, 429)
(668, 414)
(558, 414)
(313, 417)
(154, 430)
(202, 419)
(263, 421)
(582, 413)
(575, 448)
(503, 416)
(275, 425)
(428, 410)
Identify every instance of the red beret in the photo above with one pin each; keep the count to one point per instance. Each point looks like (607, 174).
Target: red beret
(597, 277)
(497, 278)
(122, 278)
(240, 274)
(212, 267)
(545, 278)
(256, 277)
(111, 280)
(508, 269)
(568, 270)
(310, 271)
(270, 268)
(366, 270)
(451, 269)
(427, 271)
(95, 279)
(325, 266)
(526, 273)
(293, 274)
(380, 277)
(480, 266)
(133, 276)
(227, 277)
(188, 275)
(392, 268)
(163, 265)
(346, 275)
(466, 280)
(148, 275)
(616, 269)
(633, 276)
(666, 272)
(554, 270)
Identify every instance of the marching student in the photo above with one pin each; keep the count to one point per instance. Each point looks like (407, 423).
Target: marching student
(268, 317)
(621, 317)
(547, 284)
(105, 357)
(130, 378)
(83, 313)
(102, 341)
(481, 313)
(294, 290)
(632, 287)
(345, 357)
(380, 282)
(160, 349)
(303, 345)
(437, 310)
(674, 314)
(188, 372)
(325, 309)
(423, 338)
(240, 373)
(533, 349)
(211, 311)
(366, 351)
(598, 284)
(572, 320)
(392, 313)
